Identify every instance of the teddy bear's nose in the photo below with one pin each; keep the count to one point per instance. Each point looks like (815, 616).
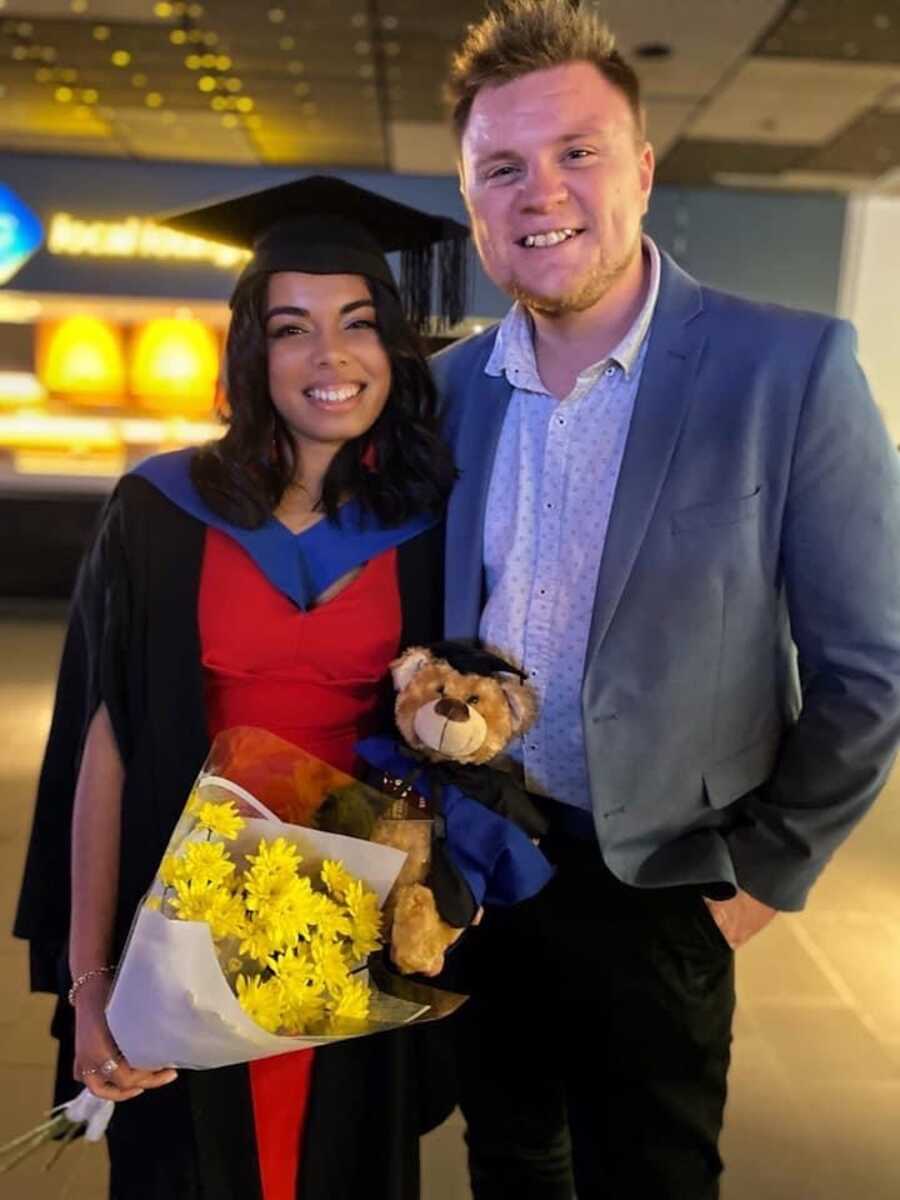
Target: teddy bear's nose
(453, 710)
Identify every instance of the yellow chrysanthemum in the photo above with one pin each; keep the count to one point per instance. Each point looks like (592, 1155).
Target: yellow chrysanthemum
(258, 943)
(304, 999)
(206, 860)
(351, 1009)
(192, 899)
(284, 889)
(362, 906)
(221, 819)
(277, 860)
(194, 801)
(225, 915)
(330, 965)
(170, 869)
(354, 1000)
(336, 878)
(303, 1009)
(287, 911)
(294, 966)
(330, 919)
(261, 1000)
(153, 903)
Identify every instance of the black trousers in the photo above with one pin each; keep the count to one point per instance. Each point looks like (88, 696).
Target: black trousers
(594, 1050)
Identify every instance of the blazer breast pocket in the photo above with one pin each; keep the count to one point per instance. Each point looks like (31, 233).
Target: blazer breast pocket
(717, 513)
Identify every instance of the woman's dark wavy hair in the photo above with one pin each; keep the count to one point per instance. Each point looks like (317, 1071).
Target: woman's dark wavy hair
(397, 469)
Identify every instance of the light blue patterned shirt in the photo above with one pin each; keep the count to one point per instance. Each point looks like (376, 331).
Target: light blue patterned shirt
(550, 496)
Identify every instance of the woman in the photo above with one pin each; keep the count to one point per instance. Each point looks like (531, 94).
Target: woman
(267, 579)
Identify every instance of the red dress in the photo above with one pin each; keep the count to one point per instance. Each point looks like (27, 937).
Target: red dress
(313, 678)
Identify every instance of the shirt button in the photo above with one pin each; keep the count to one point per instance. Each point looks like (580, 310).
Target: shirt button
(560, 421)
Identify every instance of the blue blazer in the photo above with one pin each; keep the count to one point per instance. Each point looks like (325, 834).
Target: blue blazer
(741, 694)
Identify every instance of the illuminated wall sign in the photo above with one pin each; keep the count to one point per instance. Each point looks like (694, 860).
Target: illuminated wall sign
(135, 237)
(20, 233)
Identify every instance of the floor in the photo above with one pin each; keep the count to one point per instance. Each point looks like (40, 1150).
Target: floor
(814, 1110)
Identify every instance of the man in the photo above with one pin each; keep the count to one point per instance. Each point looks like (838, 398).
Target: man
(679, 513)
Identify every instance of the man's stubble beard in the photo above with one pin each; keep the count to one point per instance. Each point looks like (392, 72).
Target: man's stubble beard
(585, 294)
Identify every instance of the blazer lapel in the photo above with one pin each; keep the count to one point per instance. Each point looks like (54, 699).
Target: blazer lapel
(475, 446)
(676, 342)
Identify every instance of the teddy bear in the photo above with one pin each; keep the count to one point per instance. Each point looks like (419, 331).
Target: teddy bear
(456, 710)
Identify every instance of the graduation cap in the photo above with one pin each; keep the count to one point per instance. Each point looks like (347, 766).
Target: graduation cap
(469, 658)
(326, 226)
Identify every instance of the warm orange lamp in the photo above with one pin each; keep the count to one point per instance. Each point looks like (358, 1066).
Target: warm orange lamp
(81, 358)
(174, 367)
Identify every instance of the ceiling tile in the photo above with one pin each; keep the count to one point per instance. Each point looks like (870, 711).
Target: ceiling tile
(783, 101)
(707, 38)
(150, 135)
(694, 161)
(424, 147)
(95, 10)
(861, 31)
(666, 119)
(41, 116)
(870, 146)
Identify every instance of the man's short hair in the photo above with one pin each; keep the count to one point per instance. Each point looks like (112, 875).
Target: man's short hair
(521, 36)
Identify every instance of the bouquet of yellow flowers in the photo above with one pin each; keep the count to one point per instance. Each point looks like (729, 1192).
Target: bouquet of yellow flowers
(254, 935)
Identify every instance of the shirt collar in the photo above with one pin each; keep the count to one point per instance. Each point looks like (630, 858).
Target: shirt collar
(513, 352)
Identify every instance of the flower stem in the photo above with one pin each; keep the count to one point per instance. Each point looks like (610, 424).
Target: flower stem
(64, 1141)
(33, 1140)
(46, 1127)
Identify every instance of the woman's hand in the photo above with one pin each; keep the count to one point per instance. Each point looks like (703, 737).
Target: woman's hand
(99, 1063)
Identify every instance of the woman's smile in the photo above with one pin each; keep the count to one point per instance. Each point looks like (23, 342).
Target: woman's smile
(334, 397)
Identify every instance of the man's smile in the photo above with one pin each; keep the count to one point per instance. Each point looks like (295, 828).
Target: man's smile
(552, 237)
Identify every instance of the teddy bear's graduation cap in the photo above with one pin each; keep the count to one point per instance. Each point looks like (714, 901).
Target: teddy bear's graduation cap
(470, 658)
(326, 226)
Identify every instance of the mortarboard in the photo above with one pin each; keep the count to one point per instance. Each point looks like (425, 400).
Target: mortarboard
(327, 226)
(469, 658)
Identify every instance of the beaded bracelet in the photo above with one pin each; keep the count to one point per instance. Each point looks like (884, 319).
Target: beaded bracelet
(82, 979)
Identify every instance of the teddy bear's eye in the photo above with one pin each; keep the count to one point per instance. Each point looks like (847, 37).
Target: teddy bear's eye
(472, 699)
(440, 689)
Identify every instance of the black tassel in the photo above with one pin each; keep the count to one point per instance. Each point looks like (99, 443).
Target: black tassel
(419, 288)
(416, 268)
(453, 281)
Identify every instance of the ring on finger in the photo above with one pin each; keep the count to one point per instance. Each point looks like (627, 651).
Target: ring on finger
(106, 1068)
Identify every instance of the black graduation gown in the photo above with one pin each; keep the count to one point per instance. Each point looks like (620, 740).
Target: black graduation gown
(133, 644)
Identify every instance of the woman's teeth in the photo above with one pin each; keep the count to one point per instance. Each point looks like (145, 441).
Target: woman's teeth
(548, 239)
(334, 395)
